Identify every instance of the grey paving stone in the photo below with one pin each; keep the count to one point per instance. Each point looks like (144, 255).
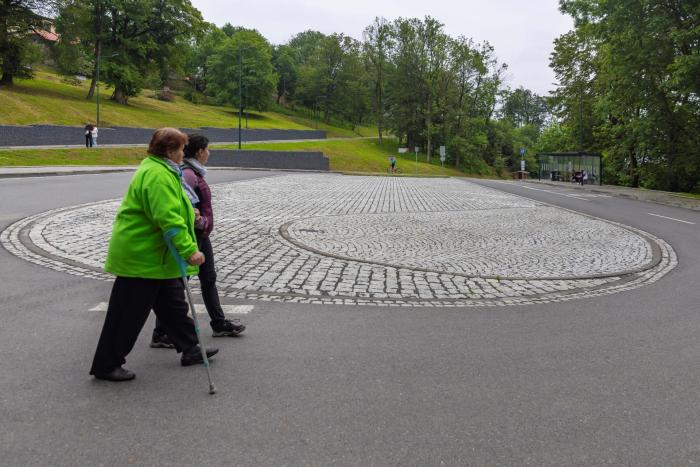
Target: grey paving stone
(377, 241)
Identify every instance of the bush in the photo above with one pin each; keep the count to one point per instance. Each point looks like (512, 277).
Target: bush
(73, 80)
(195, 97)
(165, 94)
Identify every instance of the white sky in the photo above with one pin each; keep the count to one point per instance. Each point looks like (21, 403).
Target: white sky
(521, 31)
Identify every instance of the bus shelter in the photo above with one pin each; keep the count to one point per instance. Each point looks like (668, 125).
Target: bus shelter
(570, 166)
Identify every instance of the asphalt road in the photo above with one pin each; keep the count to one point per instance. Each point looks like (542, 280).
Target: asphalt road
(607, 381)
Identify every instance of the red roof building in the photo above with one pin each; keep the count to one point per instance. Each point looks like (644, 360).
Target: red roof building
(46, 35)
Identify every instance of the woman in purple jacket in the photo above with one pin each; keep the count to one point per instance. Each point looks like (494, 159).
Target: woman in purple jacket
(197, 189)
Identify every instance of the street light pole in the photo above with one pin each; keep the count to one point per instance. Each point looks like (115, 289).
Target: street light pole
(318, 109)
(240, 93)
(97, 83)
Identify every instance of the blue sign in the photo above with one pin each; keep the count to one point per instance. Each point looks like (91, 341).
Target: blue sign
(522, 151)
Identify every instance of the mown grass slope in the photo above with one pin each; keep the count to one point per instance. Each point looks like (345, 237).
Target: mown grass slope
(46, 99)
(364, 155)
(350, 156)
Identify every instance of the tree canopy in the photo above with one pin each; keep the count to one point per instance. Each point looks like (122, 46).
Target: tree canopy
(628, 78)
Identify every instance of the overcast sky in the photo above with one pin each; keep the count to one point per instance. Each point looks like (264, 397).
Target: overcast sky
(521, 31)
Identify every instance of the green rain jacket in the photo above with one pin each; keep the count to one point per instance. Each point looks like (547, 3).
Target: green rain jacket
(154, 203)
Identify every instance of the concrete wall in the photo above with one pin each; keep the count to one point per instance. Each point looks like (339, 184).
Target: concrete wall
(294, 160)
(53, 135)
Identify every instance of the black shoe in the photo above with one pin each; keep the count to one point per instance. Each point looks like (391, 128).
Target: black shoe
(161, 342)
(227, 329)
(118, 374)
(194, 355)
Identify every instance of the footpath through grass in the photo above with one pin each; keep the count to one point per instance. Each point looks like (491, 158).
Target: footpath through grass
(47, 100)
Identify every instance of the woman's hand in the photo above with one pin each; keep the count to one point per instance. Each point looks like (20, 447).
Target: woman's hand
(197, 259)
(197, 215)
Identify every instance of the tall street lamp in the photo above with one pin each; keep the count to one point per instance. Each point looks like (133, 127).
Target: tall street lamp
(240, 91)
(318, 109)
(97, 83)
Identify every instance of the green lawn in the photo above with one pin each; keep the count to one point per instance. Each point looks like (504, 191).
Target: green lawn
(47, 100)
(363, 155)
(331, 130)
(78, 156)
(350, 156)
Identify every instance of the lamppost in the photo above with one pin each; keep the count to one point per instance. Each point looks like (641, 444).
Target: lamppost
(318, 109)
(240, 92)
(97, 84)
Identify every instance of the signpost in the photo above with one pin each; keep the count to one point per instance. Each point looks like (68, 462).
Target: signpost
(443, 153)
(522, 159)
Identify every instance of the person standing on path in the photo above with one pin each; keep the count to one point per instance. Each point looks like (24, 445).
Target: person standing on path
(88, 135)
(199, 193)
(392, 160)
(94, 136)
(148, 276)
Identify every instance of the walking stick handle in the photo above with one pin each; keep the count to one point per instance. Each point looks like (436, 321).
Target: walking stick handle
(181, 263)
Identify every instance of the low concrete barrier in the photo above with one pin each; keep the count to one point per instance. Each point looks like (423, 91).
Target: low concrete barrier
(291, 160)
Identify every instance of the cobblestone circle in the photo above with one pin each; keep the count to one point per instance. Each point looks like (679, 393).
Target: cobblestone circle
(333, 239)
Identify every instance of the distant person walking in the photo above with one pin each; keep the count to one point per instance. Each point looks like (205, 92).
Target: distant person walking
(148, 276)
(392, 161)
(199, 193)
(88, 135)
(93, 132)
(584, 178)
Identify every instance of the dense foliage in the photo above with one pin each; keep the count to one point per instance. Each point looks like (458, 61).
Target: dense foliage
(629, 77)
(18, 20)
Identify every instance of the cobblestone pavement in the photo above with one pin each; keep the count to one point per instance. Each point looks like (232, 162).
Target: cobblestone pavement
(333, 239)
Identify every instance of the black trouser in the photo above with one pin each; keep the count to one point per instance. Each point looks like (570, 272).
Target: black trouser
(207, 280)
(88, 141)
(129, 305)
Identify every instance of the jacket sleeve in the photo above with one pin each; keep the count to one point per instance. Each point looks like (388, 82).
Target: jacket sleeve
(192, 180)
(163, 203)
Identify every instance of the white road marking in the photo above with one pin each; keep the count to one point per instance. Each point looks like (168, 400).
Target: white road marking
(199, 308)
(568, 195)
(671, 218)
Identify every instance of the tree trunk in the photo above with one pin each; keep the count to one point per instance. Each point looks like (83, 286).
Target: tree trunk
(7, 79)
(429, 129)
(93, 82)
(98, 48)
(380, 105)
(119, 96)
(634, 173)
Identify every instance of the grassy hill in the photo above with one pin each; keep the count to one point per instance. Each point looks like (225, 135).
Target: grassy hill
(46, 99)
(363, 155)
(350, 156)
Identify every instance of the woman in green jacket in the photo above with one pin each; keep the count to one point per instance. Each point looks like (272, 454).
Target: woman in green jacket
(148, 276)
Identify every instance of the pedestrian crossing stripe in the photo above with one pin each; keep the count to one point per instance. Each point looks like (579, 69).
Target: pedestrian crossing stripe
(200, 309)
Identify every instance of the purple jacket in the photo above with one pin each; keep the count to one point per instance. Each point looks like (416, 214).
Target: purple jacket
(195, 180)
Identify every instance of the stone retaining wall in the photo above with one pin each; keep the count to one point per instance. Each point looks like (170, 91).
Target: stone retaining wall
(53, 135)
(294, 160)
